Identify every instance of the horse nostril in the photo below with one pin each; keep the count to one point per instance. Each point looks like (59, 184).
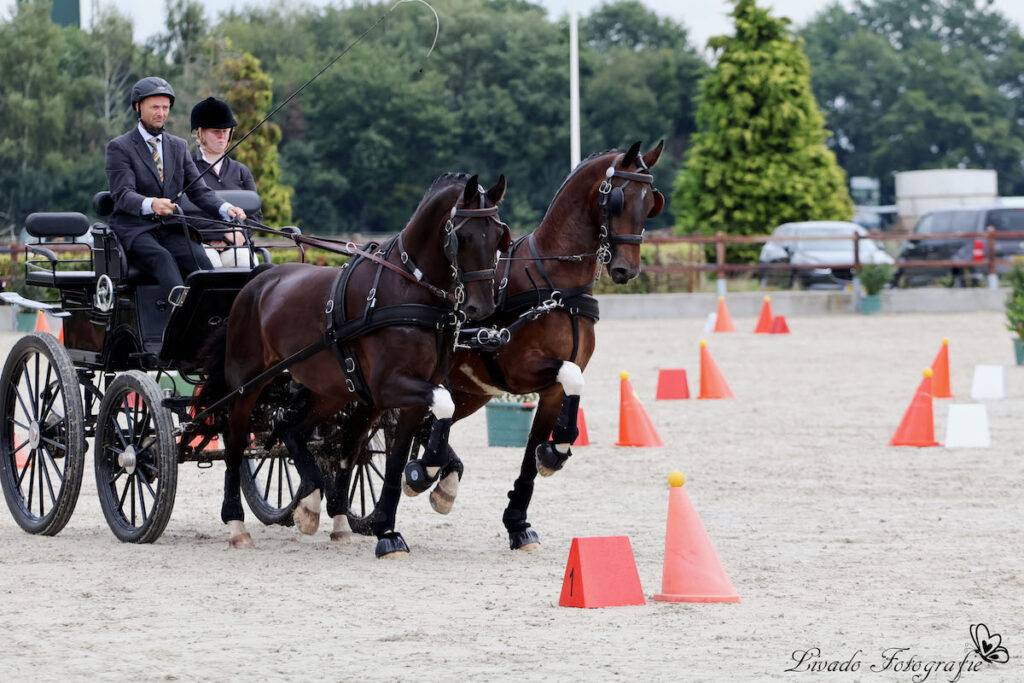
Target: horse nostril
(472, 310)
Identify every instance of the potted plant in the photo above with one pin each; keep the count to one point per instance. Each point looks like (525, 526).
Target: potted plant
(873, 278)
(1015, 310)
(509, 418)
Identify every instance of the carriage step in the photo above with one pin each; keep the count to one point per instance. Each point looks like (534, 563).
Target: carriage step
(16, 299)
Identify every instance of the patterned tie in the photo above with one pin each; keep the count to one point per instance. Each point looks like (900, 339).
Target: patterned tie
(154, 143)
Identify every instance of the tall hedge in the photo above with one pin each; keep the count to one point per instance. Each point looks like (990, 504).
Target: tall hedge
(758, 157)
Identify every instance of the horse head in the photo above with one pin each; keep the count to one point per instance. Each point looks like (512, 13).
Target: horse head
(625, 199)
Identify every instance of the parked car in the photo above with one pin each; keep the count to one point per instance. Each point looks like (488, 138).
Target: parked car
(790, 243)
(999, 218)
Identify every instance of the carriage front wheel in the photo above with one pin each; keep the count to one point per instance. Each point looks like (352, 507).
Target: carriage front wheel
(136, 458)
(269, 483)
(42, 434)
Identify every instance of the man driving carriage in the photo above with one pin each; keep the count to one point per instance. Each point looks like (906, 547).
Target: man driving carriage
(145, 167)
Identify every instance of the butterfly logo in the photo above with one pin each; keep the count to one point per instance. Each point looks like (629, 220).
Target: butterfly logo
(988, 646)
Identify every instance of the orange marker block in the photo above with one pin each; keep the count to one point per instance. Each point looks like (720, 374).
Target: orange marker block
(672, 385)
(691, 571)
(723, 321)
(635, 426)
(601, 572)
(779, 325)
(581, 423)
(712, 382)
(940, 366)
(764, 321)
(917, 428)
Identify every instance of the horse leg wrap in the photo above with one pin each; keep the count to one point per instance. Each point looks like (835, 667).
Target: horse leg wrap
(442, 498)
(421, 474)
(551, 455)
(520, 535)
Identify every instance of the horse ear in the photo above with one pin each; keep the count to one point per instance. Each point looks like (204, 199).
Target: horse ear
(472, 190)
(497, 193)
(651, 157)
(631, 155)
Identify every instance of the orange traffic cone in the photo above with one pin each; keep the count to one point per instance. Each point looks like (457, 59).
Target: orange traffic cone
(581, 423)
(917, 428)
(940, 366)
(692, 571)
(779, 325)
(21, 455)
(635, 427)
(671, 385)
(601, 572)
(764, 321)
(712, 383)
(41, 324)
(723, 321)
(60, 334)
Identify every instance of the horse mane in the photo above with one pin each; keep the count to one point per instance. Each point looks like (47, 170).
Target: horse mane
(576, 171)
(440, 184)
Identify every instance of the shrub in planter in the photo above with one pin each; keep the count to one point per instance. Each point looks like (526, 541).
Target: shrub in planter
(508, 420)
(873, 278)
(1015, 310)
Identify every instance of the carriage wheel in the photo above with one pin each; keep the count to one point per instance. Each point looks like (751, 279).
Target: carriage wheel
(136, 458)
(269, 483)
(366, 478)
(42, 435)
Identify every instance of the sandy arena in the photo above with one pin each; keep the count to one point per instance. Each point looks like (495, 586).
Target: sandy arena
(834, 539)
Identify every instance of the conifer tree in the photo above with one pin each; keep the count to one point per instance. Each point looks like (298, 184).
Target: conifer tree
(758, 157)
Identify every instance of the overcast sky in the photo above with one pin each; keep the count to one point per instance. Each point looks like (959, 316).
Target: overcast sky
(704, 18)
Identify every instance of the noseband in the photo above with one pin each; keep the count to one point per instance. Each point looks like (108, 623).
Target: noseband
(611, 202)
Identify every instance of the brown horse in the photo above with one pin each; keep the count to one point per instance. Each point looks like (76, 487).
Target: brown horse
(596, 216)
(391, 346)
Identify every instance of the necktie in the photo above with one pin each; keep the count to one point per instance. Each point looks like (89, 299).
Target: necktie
(154, 144)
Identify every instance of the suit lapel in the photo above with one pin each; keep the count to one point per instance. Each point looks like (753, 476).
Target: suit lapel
(145, 152)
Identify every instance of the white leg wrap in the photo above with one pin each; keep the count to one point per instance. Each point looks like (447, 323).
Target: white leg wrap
(442, 404)
(312, 502)
(340, 524)
(562, 448)
(236, 528)
(571, 378)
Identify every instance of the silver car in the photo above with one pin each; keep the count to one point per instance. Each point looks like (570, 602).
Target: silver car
(790, 244)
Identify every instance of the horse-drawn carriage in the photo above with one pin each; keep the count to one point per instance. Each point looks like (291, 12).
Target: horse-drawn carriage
(124, 376)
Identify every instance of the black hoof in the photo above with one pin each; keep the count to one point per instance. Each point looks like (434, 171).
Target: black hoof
(549, 460)
(526, 537)
(390, 543)
(415, 479)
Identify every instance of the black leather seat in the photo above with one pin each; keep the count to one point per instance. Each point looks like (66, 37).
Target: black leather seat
(60, 278)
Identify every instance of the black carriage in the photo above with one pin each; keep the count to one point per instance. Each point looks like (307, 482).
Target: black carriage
(124, 377)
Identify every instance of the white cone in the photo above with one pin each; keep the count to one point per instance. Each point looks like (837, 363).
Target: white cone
(989, 382)
(709, 324)
(967, 426)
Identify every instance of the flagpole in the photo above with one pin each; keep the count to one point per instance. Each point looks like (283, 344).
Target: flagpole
(574, 87)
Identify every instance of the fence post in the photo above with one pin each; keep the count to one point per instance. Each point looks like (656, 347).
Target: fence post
(720, 262)
(993, 278)
(856, 288)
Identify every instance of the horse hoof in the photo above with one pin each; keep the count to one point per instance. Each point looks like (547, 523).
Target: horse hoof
(549, 460)
(242, 541)
(544, 471)
(307, 522)
(415, 479)
(527, 540)
(339, 536)
(390, 545)
(441, 501)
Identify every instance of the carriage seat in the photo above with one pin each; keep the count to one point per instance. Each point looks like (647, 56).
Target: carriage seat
(56, 225)
(60, 278)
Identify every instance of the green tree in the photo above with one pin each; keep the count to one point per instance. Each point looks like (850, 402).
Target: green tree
(759, 156)
(248, 90)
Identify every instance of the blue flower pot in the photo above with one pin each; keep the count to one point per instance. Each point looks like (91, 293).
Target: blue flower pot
(1018, 350)
(508, 424)
(870, 304)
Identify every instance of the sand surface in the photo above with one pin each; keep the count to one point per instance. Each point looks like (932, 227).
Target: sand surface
(833, 539)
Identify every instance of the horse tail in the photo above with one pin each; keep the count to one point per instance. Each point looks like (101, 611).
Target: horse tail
(212, 356)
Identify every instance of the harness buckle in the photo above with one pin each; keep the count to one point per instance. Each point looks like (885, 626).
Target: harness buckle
(350, 385)
(371, 297)
(404, 255)
(504, 283)
(330, 307)
(350, 364)
(605, 187)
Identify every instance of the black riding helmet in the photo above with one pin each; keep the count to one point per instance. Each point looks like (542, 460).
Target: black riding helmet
(213, 113)
(150, 86)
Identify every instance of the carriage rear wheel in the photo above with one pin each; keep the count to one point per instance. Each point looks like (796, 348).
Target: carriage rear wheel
(42, 434)
(366, 477)
(136, 458)
(269, 483)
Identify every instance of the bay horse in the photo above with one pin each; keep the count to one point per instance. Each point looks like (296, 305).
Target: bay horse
(391, 341)
(596, 218)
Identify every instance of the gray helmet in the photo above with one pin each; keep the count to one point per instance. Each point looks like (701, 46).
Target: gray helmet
(150, 86)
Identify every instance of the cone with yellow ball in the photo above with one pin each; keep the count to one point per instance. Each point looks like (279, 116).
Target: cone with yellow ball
(723, 321)
(692, 570)
(635, 426)
(940, 366)
(917, 428)
(764, 321)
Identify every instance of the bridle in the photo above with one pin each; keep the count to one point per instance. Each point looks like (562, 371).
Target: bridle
(611, 202)
(451, 247)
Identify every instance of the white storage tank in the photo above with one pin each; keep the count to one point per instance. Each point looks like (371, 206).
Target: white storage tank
(918, 192)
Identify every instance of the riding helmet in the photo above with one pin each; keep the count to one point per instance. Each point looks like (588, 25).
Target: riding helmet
(213, 113)
(150, 86)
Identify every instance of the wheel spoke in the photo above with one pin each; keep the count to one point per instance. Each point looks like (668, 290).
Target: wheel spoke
(24, 406)
(49, 483)
(131, 485)
(24, 471)
(117, 475)
(362, 491)
(352, 485)
(56, 467)
(270, 477)
(20, 446)
(46, 389)
(280, 483)
(287, 473)
(19, 424)
(42, 468)
(51, 442)
(256, 471)
(148, 487)
(34, 414)
(35, 394)
(117, 430)
(124, 494)
(379, 473)
(373, 494)
(31, 479)
(142, 497)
